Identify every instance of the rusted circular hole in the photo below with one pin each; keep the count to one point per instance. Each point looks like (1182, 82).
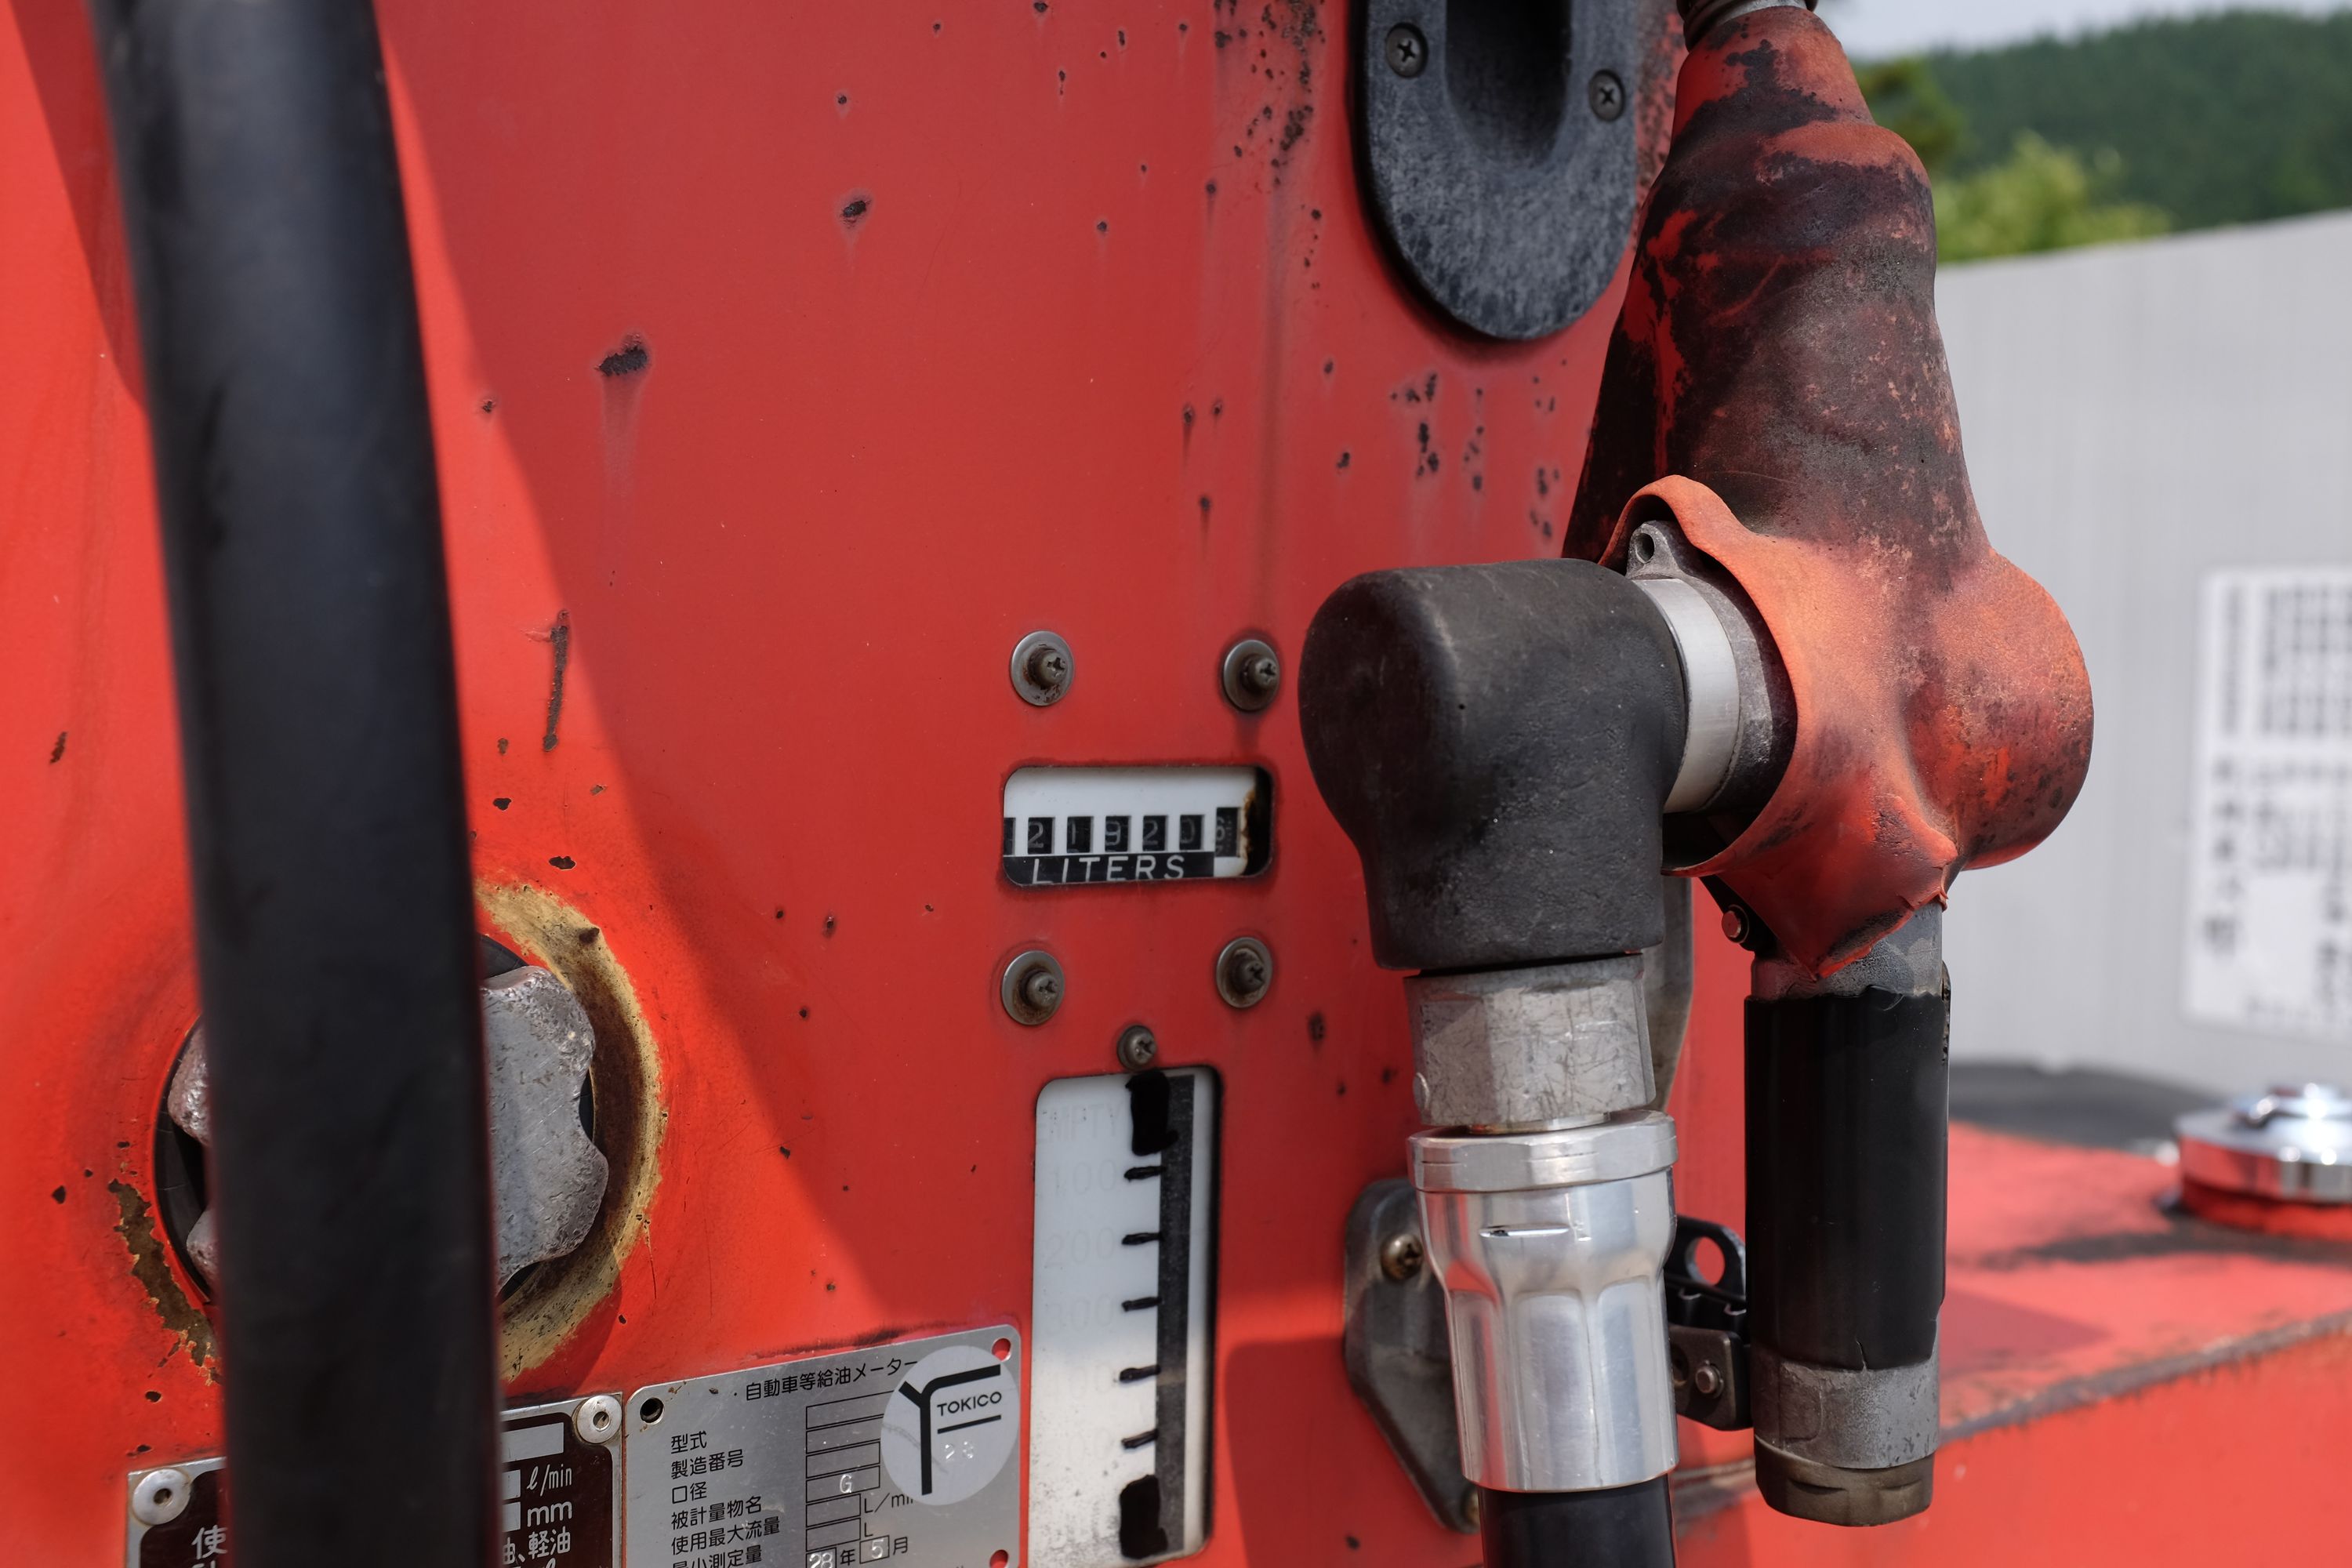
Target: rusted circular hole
(183, 1173)
(547, 1305)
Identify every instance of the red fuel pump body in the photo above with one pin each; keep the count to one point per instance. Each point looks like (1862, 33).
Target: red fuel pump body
(789, 365)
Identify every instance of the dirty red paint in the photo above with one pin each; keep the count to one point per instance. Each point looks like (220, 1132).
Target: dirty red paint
(792, 551)
(1778, 357)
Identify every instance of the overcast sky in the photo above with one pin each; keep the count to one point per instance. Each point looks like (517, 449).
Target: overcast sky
(1875, 29)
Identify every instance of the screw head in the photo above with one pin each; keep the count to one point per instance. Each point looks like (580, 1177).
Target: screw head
(1401, 1256)
(1032, 988)
(160, 1496)
(1606, 93)
(1707, 1379)
(1408, 51)
(1736, 924)
(1252, 674)
(1042, 669)
(1244, 972)
(597, 1419)
(1138, 1047)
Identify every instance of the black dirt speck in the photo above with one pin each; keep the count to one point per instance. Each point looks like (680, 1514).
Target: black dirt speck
(854, 209)
(561, 862)
(58, 1196)
(627, 360)
(502, 802)
(58, 752)
(1315, 1028)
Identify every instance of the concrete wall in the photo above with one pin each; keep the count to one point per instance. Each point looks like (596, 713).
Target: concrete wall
(2135, 416)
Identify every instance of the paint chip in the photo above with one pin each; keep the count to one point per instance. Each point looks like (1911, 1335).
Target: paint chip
(627, 360)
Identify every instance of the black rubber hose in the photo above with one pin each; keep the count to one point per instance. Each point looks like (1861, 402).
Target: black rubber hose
(1846, 1138)
(285, 389)
(1623, 1527)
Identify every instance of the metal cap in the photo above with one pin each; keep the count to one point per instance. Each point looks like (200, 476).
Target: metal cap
(2294, 1142)
(1629, 1144)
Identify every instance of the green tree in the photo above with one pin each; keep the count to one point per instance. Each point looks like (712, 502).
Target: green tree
(2231, 118)
(2040, 198)
(1905, 97)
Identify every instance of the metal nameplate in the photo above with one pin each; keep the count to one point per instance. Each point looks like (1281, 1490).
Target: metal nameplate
(558, 1488)
(893, 1452)
(177, 1518)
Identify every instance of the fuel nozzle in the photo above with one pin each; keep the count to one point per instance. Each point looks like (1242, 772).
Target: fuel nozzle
(1500, 742)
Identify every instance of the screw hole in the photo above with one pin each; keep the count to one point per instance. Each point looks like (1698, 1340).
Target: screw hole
(600, 1420)
(162, 1495)
(998, 1558)
(1645, 546)
(649, 1412)
(1002, 1349)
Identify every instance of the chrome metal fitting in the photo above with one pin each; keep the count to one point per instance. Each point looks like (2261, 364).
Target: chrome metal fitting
(1741, 720)
(1508, 1050)
(2293, 1143)
(1552, 1246)
(1875, 1419)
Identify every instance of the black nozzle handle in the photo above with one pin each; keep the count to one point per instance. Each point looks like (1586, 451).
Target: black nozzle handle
(1499, 742)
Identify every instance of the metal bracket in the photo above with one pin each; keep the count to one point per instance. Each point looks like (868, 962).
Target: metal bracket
(1399, 1350)
(1707, 1327)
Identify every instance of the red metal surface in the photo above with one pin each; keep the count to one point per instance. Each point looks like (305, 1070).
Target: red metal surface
(1066, 318)
(1779, 344)
(2122, 1382)
(2277, 1216)
(1042, 376)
